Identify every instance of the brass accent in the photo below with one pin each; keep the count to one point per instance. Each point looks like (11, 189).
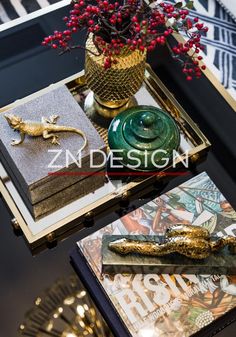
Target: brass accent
(80, 81)
(125, 199)
(51, 237)
(22, 328)
(89, 219)
(115, 86)
(44, 129)
(95, 106)
(195, 158)
(160, 175)
(15, 224)
(125, 196)
(111, 104)
(191, 241)
(89, 215)
(160, 180)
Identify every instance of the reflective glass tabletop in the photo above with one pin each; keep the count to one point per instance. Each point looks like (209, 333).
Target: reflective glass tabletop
(26, 67)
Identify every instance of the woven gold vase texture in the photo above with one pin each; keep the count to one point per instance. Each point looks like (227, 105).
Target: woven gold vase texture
(119, 82)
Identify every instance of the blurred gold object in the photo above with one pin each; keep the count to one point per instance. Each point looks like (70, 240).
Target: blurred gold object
(64, 310)
(114, 87)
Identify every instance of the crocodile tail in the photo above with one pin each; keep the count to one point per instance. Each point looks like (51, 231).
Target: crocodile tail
(188, 231)
(224, 241)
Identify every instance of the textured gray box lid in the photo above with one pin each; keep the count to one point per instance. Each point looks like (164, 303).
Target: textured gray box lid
(29, 161)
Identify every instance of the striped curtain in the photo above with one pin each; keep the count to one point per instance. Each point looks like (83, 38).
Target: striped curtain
(220, 40)
(12, 9)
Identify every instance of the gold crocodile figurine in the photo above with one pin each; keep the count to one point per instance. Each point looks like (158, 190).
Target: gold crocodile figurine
(46, 128)
(192, 241)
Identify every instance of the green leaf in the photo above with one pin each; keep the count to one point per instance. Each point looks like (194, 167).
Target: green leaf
(189, 5)
(179, 5)
(175, 27)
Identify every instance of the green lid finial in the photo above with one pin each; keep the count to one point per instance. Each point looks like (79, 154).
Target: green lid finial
(147, 119)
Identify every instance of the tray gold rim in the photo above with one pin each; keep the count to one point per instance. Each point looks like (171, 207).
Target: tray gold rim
(165, 98)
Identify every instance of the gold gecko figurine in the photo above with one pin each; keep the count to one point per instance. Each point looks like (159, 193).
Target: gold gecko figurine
(194, 242)
(46, 128)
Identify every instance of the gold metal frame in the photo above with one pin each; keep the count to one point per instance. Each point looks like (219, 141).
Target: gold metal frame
(77, 220)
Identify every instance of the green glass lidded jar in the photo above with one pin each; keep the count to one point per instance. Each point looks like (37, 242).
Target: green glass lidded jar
(144, 138)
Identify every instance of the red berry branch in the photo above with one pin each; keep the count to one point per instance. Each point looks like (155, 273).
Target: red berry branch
(135, 25)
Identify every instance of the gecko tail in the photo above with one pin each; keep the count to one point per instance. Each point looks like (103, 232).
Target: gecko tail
(81, 133)
(58, 128)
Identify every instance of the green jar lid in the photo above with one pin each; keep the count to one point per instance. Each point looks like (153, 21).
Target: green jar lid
(143, 136)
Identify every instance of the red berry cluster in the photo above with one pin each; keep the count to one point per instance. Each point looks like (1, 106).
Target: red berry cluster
(134, 25)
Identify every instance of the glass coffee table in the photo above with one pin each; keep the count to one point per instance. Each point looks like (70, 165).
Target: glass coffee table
(26, 68)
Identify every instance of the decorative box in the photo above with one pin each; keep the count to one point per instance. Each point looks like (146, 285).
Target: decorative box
(50, 176)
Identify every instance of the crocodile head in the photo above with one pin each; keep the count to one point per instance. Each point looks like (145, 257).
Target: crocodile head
(14, 121)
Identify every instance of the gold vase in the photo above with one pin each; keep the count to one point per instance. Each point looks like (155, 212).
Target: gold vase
(113, 88)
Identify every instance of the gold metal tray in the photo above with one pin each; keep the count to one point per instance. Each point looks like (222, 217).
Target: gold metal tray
(75, 216)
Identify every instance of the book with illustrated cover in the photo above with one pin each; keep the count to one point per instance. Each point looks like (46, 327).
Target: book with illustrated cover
(168, 305)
